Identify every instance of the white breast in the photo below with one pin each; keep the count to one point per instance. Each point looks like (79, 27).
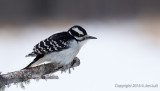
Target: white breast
(65, 56)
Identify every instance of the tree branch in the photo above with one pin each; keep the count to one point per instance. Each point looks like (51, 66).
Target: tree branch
(38, 72)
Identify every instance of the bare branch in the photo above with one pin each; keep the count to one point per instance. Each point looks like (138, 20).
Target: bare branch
(38, 72)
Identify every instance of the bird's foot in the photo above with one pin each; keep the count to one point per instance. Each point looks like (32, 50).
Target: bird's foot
(71, 65)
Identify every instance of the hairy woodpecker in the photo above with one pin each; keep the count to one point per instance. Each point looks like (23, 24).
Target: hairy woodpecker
(60, 48)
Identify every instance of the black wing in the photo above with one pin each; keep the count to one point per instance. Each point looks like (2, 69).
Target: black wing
(54, 43)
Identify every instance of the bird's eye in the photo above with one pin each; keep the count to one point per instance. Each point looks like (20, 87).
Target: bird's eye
(80, 35)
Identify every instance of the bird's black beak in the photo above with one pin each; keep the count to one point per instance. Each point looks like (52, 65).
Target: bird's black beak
(90, 37)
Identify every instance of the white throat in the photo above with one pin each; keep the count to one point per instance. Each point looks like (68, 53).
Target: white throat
(81, 43)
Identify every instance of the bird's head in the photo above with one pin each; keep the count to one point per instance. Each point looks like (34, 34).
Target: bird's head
(79, 33)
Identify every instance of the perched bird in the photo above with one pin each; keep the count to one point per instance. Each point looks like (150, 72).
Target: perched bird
(60, 48)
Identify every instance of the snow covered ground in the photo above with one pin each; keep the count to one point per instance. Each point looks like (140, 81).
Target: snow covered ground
(123, 54)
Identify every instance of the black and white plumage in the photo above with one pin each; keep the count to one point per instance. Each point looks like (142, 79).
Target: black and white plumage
(60, 48)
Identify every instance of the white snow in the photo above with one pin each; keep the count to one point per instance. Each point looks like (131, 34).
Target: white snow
(122, 54)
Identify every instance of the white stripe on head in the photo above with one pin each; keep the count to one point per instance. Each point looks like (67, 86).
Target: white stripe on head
(77, 30)
(79, 38)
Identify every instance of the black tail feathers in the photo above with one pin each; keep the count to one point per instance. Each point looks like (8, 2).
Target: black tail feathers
(35, 60)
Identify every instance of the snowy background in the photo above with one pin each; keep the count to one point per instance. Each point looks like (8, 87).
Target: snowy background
(124, 53)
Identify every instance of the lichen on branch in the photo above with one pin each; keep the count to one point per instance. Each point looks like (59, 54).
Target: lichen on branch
(44, 71)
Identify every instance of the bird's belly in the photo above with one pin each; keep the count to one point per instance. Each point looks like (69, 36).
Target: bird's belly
(63, 57)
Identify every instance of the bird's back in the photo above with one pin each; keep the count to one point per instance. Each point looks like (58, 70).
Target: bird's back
(54, 43)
